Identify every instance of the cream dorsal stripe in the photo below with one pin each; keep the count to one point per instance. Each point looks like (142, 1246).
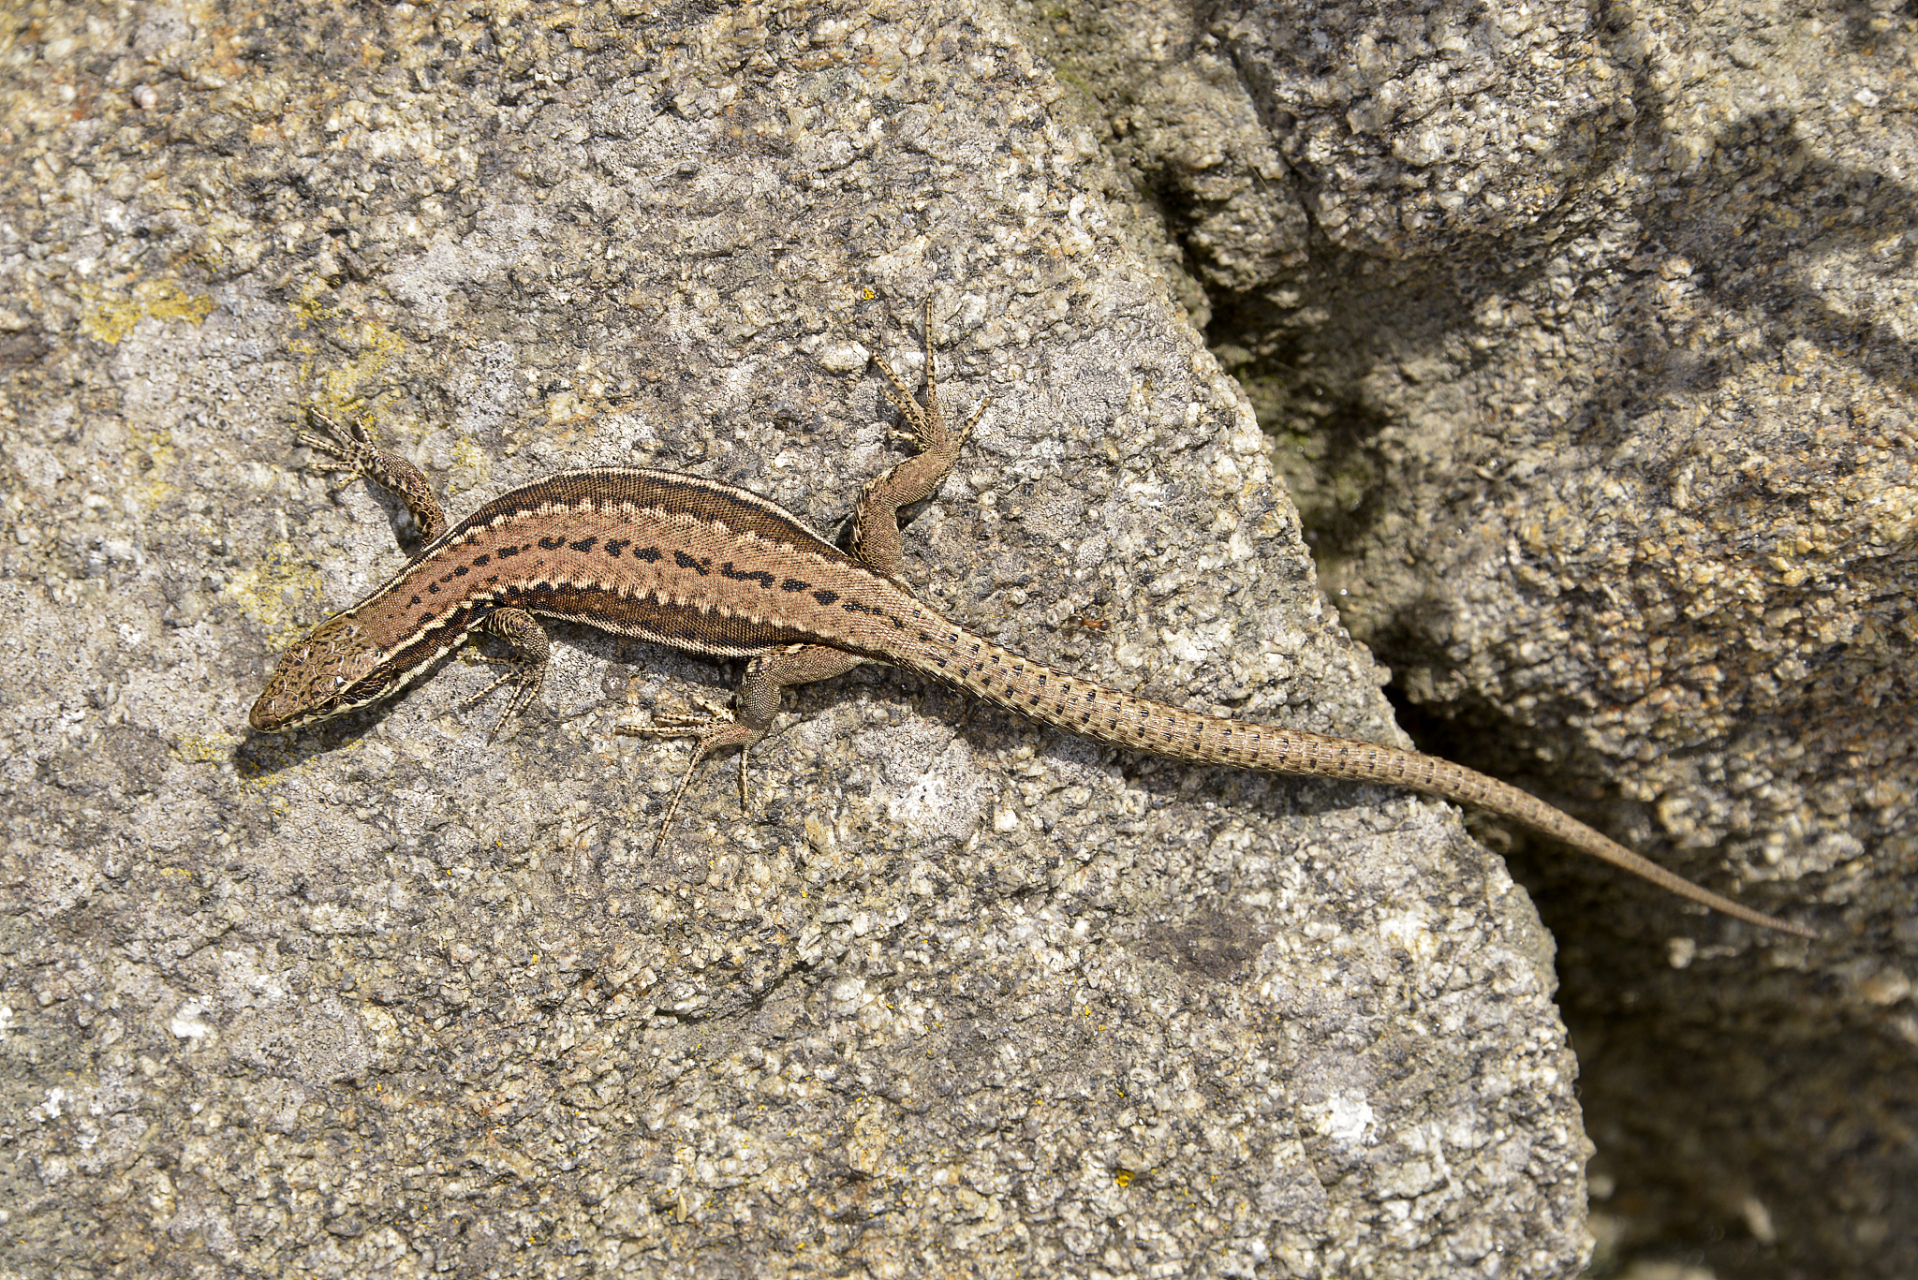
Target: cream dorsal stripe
(714, 569)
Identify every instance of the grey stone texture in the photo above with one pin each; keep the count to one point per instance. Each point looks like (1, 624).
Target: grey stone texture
(1584, 332)
(954, 995)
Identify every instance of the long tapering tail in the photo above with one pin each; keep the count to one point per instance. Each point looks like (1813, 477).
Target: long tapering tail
(1095, 711)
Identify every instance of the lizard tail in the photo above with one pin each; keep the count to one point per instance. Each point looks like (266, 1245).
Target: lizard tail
(1096, 711)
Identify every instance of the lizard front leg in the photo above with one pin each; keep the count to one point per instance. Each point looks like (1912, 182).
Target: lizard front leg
(355, 455)
(525, 669)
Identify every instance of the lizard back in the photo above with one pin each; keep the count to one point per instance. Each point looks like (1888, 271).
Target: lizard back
(691, 563)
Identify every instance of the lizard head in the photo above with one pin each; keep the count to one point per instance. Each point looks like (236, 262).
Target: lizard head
(320, 677)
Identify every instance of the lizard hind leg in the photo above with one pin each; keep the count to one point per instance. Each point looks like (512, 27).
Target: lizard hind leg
(712, 732)
(758, 699)
(875, 520)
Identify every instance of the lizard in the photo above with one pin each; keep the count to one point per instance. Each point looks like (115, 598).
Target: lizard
(714, 569)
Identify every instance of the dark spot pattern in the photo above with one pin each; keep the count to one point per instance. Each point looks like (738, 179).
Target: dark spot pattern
(760, 576)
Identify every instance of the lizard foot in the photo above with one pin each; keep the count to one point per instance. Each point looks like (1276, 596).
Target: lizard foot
(711, 732)
(349, 445)
(526, 668)
(527, 676)
(924, 426)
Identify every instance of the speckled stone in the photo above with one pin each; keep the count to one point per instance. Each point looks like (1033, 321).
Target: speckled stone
(1590, 367)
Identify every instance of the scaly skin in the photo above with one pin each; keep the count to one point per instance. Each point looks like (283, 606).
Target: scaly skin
(710, 568)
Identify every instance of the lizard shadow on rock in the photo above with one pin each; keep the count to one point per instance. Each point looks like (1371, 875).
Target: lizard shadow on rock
(990, 731)
(987, 729)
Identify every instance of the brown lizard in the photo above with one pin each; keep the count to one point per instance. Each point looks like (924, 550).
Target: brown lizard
(713, 569)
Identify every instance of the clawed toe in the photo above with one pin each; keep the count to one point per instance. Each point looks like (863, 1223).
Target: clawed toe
(710, 733)
(517, 673)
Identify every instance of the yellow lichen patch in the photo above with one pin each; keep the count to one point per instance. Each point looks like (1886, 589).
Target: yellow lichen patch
(271, 589)
(472, 466)
(467, 453)
(340, 385)
(339, 393)
(207, 748)
(151, 462)
(111, 319)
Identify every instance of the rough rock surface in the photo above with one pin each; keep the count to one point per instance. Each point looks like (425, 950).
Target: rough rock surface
(956, 995)
(1586, 333)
